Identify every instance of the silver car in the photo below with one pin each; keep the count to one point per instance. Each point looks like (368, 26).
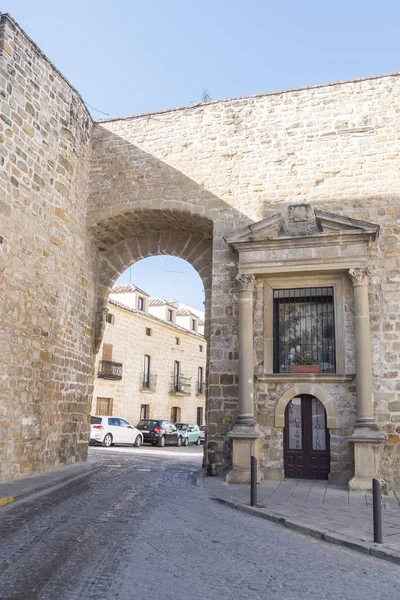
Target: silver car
(108, 430)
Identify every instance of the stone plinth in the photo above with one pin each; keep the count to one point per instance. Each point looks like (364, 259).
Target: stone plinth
(245, 443)
(367, 455)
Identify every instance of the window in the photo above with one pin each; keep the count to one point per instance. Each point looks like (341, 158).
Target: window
(110, 318)
(144, 411)
(104, 406)
(175, 414)
(177, 368)
(140, 303)
(304, 325)
(146, 371)
(170, 315)
(200, 416)
(148, 331)
(177, 341)
(201, 348)
(200, 382)
(194, 325)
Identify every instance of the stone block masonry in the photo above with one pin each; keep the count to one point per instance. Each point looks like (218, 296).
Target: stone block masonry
(80, 202)
(46, 290)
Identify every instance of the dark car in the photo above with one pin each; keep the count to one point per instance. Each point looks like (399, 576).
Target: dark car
(159, 432)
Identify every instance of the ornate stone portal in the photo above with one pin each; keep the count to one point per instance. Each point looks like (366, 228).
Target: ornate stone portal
(293, 254)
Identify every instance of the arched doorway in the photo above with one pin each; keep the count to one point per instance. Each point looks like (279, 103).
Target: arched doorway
(306, 439)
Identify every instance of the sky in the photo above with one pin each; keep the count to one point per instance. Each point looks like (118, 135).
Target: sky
(127, 57)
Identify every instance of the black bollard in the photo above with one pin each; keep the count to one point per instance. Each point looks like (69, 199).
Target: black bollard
(377, 511)
(253, 490)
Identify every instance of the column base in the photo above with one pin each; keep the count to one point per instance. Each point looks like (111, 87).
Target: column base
(245, 443)
(367, 456)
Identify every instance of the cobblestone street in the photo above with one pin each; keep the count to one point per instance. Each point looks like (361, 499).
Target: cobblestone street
(140, 527)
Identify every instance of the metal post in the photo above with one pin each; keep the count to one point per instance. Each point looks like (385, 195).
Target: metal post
(377, 511)
(253, 491)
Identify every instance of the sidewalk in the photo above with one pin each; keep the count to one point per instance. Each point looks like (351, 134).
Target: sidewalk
(332, 513)
(16, 489)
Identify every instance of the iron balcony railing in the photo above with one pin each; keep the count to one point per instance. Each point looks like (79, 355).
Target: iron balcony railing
(148, 382)
(110, 370)
(200, 388)
(180, 385)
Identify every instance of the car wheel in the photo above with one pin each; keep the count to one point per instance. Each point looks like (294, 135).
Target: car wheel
(138, 441)
(161, 442)
(179, 442)
(107, 440)
(186, 442)
(198, 442)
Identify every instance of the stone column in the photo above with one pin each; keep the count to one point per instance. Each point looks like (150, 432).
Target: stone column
(366, 437)
(245, 435)
(245, 414)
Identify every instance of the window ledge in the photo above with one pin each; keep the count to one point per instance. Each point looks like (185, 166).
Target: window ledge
(173, 393)
(146, 391)
(305, 377)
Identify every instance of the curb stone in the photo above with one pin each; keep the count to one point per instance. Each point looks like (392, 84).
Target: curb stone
(47, 485)
(376, 550)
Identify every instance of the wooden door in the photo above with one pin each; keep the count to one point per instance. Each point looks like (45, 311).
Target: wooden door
(306, 439)
(104, 406)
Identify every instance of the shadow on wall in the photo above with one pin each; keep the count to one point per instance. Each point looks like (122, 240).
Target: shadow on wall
(140, 206)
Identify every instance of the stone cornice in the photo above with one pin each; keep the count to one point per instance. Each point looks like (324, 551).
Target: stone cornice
(305, 378)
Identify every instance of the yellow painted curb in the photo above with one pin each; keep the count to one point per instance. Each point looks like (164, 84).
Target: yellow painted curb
(4, 501)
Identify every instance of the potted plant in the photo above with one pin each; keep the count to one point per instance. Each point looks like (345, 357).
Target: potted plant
(304, 363)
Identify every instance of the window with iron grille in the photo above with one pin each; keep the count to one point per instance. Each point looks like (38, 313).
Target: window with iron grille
(304, 325)
(110, 318)
(148, 331)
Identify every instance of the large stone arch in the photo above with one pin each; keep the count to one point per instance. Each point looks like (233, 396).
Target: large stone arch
(312, 390)
(129, 237)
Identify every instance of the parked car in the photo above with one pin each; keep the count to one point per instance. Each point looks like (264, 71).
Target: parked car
(202, 433)
(159, 432)
(189, 433)
(107, 430)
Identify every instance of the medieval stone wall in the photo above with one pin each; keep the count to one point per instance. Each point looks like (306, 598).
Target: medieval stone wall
(46, 287)
(335, 146)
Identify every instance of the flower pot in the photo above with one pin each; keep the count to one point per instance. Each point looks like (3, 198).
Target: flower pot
(305, 369)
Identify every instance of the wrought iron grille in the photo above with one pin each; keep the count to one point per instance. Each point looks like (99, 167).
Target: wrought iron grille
(148, 382)
(180, 384)
(304, 323)
(110, 370)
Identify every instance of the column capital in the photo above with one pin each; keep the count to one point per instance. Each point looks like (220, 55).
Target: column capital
(245, 282)
(360, 275)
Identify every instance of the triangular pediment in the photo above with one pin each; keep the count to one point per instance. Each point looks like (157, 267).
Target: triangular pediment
(330, 222)
(266, 229)
(320, 224)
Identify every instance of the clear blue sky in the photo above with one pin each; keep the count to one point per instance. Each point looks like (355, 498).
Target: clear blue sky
(128, 56)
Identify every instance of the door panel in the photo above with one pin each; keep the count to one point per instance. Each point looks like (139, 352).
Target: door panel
(306, 439)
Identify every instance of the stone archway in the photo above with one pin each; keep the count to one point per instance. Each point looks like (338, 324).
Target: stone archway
(312, 390)
(128, 238)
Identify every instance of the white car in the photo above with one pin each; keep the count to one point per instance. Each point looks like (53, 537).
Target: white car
(202, 433)
(107, 430)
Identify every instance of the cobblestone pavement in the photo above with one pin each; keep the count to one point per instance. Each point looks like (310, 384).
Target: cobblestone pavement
(314, 503)
(140, 527)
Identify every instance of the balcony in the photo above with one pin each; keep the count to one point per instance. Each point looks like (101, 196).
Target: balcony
(109, 370)
(147, 383)
(180, 385)
(200, 388)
